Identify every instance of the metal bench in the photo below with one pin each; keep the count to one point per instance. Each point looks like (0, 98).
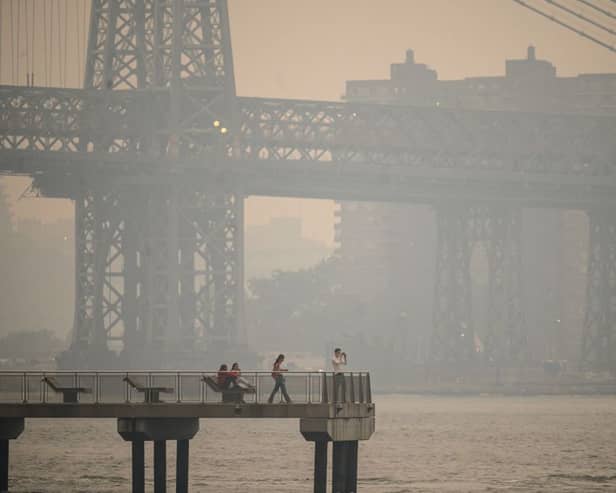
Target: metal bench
(69, 393)
(150, 393)
(235, 394)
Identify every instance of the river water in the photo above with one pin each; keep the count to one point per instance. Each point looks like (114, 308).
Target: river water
(453, 444)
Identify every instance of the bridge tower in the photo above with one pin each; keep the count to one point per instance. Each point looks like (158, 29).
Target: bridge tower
(159, 256)
(599, 336)
(460, 227)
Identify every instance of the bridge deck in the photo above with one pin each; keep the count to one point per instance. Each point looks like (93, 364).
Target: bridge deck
(185, 410)
(331, 149)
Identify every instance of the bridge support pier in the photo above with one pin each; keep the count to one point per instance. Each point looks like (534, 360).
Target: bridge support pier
(599, 335)
(461, 227)
(160, 466)
(181, 466)
(320, 466)
(344, 467)
(345, 434)
(159, 430)
(10, 429)
(138, 466)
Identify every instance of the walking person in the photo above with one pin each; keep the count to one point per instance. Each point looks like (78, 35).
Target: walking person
(339, 361)
(280, 380)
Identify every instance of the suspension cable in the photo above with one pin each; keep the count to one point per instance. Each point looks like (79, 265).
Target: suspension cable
(12, 44)
(45, 44)
(51, 4)
(1, 43)
(78, 43)
(86, 13)
(580, 16)
(59, 48)
(597, 8)
(34, 50)
(66, 81)
(567, 26)
(17, 75)
(27, 36)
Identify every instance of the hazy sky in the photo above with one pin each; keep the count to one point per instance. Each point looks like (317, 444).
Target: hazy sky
(308, 49)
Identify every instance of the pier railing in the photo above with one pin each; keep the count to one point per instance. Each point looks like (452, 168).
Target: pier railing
(115, 387)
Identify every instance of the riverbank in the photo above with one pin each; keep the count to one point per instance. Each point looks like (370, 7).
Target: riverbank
(526, 382)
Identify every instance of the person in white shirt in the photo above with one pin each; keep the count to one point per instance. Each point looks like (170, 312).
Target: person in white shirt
(339, 361)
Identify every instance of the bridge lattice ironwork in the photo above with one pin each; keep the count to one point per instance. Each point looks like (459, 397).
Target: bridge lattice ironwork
(158, 153)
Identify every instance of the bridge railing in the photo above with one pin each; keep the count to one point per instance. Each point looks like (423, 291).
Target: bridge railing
(183, 387)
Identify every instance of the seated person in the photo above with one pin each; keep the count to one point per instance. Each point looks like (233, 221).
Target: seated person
(238, 381)
(223, 377)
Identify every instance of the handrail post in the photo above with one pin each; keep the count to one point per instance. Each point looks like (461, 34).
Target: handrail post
(178, 387)
(24, 388)
(336, 397)
(96, 387)
(43, 389)
(201, 388)
(126, 389)
(352, 388)
(324, 396)
(360, 384)
(368, 389)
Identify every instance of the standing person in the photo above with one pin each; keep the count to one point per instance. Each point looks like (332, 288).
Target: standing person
(279, 379)
(339, 361)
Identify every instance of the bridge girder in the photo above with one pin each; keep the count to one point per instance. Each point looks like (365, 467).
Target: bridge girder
(160, 112)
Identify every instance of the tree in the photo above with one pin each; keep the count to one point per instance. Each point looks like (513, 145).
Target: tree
(34, 344)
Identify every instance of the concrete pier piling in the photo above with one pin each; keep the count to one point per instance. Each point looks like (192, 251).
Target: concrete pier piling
(10, 429)
(344, 432)
(160, 466)
(320, 466)
(138, 466)
(4, 465)
(344, 467)
(159, 430)
(181, 466)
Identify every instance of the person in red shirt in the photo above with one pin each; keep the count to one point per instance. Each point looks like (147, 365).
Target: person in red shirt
(223, 377)
(238, 380)
(280, 380)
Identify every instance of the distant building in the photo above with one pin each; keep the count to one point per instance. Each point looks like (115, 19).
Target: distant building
(33, 257)
(529, 84)
(280, 245)
(387, 249)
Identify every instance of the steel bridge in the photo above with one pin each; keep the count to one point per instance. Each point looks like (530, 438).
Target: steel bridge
(158, 154)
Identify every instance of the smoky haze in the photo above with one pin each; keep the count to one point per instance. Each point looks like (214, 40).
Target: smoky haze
(319, 272)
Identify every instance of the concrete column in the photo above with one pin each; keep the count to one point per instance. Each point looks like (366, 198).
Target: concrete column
(138, 469)
(345, 467)
(158, 430)
(4, 465)
(352, 449)
(160, 466)
(320, 466)
(344, 432)
(10, 429)
(339, 468)
(181, 467)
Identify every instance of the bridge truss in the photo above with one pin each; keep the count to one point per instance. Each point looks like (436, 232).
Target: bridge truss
(158, 154)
